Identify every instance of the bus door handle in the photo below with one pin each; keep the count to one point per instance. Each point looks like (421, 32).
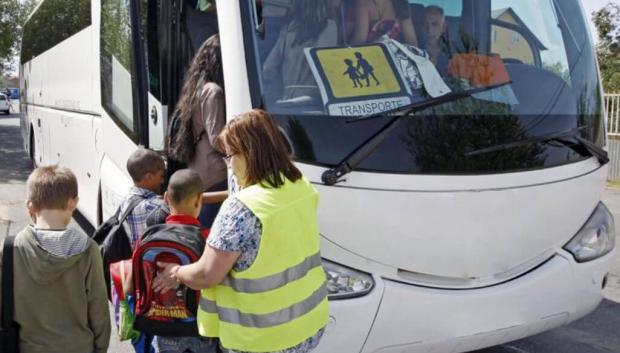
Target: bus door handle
(154, 115)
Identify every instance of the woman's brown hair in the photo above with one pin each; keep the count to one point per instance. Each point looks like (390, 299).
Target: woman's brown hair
(256, 137)
(205, 67)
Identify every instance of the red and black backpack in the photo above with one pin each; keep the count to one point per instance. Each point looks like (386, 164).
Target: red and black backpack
(172, 313)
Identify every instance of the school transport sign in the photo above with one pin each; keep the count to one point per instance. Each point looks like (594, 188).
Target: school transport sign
(358, 80)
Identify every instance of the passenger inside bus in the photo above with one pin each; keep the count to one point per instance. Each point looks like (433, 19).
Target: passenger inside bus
(374, 18)
(435, 37)
(289, 27)
(285, 75)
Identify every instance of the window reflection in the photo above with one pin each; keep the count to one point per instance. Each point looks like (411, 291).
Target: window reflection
(117, 93)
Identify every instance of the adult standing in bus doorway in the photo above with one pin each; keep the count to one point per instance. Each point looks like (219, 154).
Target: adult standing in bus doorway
(276, 212)
(202, 113)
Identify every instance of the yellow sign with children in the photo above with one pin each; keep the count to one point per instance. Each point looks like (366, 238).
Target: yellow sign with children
(357, 80)
(361, 71)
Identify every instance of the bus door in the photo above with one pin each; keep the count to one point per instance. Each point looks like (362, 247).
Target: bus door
(153, 33)
(143, 54)
(133, 113)
(174, 31)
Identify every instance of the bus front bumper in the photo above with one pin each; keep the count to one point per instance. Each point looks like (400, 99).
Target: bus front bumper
(399, 317)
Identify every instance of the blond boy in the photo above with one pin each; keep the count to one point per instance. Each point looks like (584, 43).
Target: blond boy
(60, 294)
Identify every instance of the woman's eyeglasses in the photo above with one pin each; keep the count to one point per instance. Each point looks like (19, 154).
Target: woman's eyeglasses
(227, 158)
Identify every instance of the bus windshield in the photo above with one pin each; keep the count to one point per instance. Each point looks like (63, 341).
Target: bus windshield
(321, 63)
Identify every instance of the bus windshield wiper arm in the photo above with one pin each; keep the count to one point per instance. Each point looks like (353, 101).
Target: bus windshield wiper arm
(429, 103)
(579, 144)
(361, 152)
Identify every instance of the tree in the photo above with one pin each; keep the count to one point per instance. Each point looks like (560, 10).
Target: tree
(607, 22)
(13, 15)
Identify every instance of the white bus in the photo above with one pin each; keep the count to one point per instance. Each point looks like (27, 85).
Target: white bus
(460, 191)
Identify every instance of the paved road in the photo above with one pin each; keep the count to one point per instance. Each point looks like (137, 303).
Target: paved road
(596, 333)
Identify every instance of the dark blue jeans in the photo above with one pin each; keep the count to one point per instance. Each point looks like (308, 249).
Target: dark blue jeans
(184, 345)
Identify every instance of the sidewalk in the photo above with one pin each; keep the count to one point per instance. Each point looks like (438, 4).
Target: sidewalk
(14, 170)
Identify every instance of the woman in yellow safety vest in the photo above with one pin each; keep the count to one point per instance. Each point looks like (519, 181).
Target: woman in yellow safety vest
(263, 286)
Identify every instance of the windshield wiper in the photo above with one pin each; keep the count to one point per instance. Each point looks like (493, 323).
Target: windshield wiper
(569, 138)
(429, 103)
(361, 152)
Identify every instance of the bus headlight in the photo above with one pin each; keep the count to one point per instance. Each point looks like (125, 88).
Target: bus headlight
(596, 238)
(344, 282)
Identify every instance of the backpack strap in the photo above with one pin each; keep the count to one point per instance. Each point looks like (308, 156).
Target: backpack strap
(7, 282)
(132, 205)
(185, 228)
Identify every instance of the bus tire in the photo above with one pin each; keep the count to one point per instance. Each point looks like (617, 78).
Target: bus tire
(7, 112)
(33, 151)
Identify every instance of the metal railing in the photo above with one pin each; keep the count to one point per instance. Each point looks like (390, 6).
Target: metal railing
(612, 106)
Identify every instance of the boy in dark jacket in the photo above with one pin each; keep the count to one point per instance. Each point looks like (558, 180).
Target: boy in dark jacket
(60, 293)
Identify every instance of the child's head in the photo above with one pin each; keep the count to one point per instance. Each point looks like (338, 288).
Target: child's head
(146, 168)
(52, 188)
(184, 194)
(348, 62)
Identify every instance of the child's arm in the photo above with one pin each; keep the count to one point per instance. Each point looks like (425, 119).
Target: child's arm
(98, 312)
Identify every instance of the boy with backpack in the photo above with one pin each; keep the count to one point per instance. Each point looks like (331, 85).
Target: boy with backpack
(60, 301)
(147, 169)
(171, 316)
(119, 235)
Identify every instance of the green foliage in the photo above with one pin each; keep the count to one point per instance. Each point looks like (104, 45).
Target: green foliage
(116, 32)
(607, 21)
(13, 15)
(443, 142)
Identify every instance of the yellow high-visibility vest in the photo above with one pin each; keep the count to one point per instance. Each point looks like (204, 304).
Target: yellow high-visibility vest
(281, 299)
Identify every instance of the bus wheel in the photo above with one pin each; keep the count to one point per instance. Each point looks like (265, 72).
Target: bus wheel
(33, 153)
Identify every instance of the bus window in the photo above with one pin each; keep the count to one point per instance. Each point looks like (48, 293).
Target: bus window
(117, 71)
(149, 12)
(58, 24)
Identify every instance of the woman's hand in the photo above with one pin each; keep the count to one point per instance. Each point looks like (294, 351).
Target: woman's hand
(166, 278)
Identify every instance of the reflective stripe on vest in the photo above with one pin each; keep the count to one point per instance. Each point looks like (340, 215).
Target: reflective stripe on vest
(244, 285)
(279, 317)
